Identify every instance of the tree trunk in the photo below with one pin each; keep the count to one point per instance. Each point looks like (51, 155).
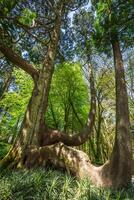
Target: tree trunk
(5, 86)
(121, 160)
(98, 130)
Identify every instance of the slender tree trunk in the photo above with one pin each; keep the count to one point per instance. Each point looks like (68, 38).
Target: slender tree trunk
(66, 116)
(5, 85)
(75, 113)
(98, 132)
(53, 114)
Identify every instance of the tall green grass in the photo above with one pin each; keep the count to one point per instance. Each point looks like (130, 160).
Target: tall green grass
(53, 185)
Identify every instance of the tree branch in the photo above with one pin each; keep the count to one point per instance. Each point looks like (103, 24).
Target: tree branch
(18, 61)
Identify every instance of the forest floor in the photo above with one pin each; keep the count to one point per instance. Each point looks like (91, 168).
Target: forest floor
(51, 184)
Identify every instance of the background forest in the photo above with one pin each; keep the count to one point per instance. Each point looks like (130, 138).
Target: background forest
(82, 46)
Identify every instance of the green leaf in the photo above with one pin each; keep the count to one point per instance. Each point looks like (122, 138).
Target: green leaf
(27, 17)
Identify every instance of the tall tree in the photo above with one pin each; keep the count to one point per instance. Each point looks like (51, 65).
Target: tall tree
(34, 117)
(114, 25)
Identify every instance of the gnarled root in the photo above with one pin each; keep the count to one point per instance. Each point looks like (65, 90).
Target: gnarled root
(74, 161)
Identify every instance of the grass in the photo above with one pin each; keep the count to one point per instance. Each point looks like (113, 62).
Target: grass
(53, 185)
(50, 184)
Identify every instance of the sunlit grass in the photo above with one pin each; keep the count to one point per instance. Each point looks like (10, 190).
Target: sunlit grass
(53, 185)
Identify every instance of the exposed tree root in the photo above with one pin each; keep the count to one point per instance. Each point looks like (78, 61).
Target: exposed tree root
(75, 162)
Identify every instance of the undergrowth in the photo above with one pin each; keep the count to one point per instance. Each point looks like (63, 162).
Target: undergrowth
(50, 184)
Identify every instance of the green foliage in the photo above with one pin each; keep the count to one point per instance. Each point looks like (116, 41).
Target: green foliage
(105, 114)
(27, 17)
(83, 30)
(100, 145)
(52, 185)
(68, 87)
(113, 18)
(14, 103)
(6, 6)
(130, 85)
(4, 148)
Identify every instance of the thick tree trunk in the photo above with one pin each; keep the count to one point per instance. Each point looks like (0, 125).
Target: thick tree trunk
(121, 160)
(29, 132)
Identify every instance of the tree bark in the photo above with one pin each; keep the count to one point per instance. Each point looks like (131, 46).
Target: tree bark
(98, 129)
(121, 159)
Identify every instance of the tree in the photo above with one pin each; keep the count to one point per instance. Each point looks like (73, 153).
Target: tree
(68, 99)
(113, 24)
(34, 116)
(13, 103)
